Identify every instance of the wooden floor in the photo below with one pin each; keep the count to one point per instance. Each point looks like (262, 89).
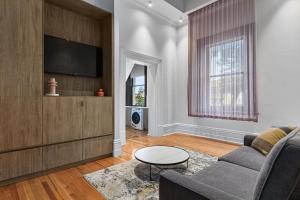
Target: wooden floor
(70, 185)
(132, 133)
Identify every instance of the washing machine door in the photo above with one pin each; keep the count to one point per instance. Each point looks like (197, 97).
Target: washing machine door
(135, 118)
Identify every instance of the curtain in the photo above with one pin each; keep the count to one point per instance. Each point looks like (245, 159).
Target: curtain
(221, 81)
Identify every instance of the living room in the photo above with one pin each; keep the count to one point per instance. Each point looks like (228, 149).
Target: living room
(221, 98)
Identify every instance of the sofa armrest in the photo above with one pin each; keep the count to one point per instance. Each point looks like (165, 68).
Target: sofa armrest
(174, 186)
(248, 139)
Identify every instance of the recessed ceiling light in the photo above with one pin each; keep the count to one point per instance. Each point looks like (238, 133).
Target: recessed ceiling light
(180, 20)
(150, 4)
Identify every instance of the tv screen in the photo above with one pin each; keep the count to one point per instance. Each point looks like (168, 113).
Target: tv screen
(71, 58)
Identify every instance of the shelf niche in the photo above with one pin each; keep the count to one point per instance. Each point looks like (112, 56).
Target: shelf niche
(92, 28)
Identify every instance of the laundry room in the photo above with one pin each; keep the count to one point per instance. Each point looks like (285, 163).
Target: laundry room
(136, 101)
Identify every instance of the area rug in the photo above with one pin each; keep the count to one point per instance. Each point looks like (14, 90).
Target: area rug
(130, 180)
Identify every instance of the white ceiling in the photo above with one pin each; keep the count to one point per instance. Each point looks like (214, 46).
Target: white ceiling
(173, 10)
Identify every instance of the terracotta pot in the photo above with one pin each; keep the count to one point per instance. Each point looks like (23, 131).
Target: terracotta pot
(100, 93)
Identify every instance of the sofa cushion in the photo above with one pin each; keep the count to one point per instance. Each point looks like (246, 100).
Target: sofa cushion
(245, 156)
(230, 178)
(267, 139)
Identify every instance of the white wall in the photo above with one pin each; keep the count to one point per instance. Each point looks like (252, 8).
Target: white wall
(146, 33)
(278, 70)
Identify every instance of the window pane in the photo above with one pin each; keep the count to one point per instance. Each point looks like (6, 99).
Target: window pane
(139, 80)
(226, 90)
(138, 95)
(225, 58)
(226, 84)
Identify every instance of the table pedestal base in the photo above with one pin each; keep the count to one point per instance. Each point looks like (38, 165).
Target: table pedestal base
(161, 169)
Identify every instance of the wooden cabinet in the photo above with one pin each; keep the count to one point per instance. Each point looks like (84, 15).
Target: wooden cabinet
(72, 118)
(20, 163)
(62, 119)
(97, 146)
(97, 116)
(61, 154)
(36, 132)
(20, 122)
(21, 44)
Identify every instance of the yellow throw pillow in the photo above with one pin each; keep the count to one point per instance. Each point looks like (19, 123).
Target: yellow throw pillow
(267, 139)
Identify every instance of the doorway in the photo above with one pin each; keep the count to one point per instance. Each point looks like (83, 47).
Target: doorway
(136, 100)
(153, 66)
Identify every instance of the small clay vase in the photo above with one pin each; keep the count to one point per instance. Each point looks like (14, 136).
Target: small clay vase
(100, 93)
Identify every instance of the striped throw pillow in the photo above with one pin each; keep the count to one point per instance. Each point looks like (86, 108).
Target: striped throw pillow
(267, 139)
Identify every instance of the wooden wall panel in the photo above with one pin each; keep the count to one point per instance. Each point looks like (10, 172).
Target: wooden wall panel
(61, 154)
(98, 116)
(97, 147)
(62, 119)
(20, 163)
(20, 122)
(81, 7)
(66, 24)
(107, 44)
(21, 47)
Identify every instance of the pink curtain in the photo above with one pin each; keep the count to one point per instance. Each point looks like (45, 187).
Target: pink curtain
(222, 61)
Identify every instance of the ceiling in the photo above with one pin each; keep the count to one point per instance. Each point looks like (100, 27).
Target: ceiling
(173, 10)
(187, 6)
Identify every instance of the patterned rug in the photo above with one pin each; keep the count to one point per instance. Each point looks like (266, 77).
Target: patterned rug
(130, 180)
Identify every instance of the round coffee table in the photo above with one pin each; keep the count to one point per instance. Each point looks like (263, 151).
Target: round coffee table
(162, 156)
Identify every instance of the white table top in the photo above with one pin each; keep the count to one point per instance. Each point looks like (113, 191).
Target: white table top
(162, 155)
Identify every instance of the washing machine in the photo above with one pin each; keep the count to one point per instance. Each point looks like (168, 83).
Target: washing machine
(137, 118)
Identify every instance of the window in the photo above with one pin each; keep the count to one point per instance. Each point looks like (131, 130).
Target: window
(226, 74)
(136, 87)
(221, 79)
(138, 91)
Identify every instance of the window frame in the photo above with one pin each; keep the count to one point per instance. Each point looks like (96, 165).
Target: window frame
(130, 89)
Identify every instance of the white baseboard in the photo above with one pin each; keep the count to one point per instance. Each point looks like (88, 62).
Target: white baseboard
(205, 131)
(117, 148)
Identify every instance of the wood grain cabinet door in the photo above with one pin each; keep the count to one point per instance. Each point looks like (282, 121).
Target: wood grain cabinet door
(62, 119)
(20, 122)
(61, 154)
(98, 116)
(18, 163)
(21, 47)
(95, 147)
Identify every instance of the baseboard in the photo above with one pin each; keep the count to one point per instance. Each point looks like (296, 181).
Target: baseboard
(205, 131)
(117, 148)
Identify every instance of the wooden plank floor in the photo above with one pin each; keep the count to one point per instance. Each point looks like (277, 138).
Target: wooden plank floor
(70, 185)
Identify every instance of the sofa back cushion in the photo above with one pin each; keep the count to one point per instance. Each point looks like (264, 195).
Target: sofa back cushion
(279, 176)
(267, 139)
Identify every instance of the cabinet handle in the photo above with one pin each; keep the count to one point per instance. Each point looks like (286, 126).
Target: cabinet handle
(81, 103)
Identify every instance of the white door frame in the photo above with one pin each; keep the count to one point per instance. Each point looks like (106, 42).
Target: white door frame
(154, 67)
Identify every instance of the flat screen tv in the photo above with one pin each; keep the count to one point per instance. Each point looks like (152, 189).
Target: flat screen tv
(72, 58)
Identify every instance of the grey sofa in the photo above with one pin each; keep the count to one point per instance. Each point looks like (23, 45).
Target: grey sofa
(243, 174)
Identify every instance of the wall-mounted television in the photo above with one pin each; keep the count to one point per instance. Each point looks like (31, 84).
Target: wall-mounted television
(71, 58)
